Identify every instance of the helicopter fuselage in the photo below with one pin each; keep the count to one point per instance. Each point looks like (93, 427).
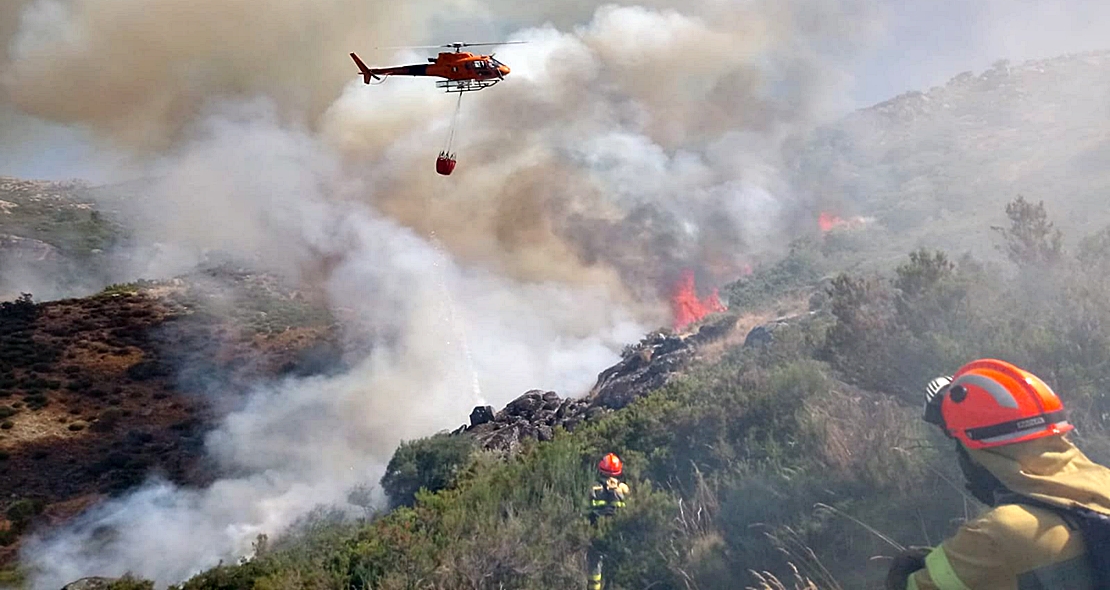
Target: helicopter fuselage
(448, 65)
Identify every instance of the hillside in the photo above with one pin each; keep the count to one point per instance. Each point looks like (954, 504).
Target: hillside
(763, 456)
(760, 457)
(757, 440)
(934, 167)
(53, 238)
(98, 393)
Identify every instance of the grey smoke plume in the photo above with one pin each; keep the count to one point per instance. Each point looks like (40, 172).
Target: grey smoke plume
(635, 114)
(631, 141)
(676, 112)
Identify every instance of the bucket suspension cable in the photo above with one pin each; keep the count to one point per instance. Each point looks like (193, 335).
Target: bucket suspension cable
(445, 163)
(454, 124)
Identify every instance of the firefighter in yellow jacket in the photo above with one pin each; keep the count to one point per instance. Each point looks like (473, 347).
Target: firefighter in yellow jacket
(1010, 428)
(606, 496)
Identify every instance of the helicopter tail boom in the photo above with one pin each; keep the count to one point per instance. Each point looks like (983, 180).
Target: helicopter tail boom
(367, 73)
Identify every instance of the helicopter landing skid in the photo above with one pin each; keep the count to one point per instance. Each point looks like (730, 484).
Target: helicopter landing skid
(465, 85)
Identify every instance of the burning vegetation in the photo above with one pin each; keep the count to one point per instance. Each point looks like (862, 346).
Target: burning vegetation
(687, 307)
(829, 221)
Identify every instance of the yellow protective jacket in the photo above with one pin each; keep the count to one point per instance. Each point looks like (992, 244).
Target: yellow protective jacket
(606, 496)
(1017, 547)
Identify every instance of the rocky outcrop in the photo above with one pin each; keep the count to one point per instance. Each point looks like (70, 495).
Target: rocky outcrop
(652, 363)
(534, 415)
(644, 367)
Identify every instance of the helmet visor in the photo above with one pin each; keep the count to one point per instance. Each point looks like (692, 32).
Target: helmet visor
(934, 395)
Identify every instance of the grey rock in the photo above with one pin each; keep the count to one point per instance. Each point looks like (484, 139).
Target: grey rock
(526, 404)
(643, 368)
(481, 415)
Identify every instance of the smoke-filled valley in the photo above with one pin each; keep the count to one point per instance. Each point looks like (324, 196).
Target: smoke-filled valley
(272, 289)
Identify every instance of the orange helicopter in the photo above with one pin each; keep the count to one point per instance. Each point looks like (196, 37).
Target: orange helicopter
(464, 72)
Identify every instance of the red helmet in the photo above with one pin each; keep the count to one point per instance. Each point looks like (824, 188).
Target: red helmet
(610, 465)
(990, 403)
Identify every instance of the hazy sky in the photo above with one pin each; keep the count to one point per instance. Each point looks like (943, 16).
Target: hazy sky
(923, 43)
(927, 43)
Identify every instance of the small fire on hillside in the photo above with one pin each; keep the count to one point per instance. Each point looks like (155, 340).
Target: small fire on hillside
(686, 305)
(829, 221)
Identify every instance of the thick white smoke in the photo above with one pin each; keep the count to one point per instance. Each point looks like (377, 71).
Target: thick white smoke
(309, 441)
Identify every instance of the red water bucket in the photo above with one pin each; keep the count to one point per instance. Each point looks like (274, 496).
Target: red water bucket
(445, 164)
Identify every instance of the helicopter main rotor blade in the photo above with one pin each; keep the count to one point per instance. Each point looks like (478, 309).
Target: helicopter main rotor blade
(481, 44)
(453, 45)
(410, 47)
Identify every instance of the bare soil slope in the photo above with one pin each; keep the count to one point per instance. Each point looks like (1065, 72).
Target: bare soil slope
(97, 394)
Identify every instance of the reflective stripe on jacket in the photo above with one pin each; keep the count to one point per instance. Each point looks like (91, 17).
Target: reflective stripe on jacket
(607, 496)
(1010, 547)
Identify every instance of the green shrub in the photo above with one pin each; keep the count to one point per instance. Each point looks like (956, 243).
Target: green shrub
(21, 512)
(801, 267)
(107, 420)
(429, 464)
(129, 582)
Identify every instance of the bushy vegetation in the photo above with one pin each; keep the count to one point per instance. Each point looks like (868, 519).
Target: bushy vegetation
(428, 464)
(790, 464)
(54, 215)
(1047, 313)
(19, 514)
(803, 264)
(128, 288)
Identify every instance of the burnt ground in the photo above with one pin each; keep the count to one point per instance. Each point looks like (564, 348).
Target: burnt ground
(97, 394)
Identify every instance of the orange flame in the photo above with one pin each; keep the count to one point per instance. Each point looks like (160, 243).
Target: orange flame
(828, 221)
(687, 307)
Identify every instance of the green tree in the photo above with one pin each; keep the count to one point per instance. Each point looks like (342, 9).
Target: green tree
(861, 342)
(1094, 250)
(1031, 239)
(928, 291)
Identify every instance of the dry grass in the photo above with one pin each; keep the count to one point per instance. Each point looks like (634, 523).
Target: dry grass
(787, 541)
(713, 351)
(51, 422)
(768, 581)
(862, 431)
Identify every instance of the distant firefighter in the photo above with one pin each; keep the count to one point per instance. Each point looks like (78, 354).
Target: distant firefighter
(606, 496)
